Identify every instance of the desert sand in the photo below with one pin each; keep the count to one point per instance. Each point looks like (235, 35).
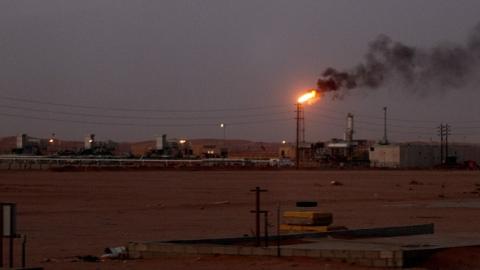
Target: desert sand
(69, 214)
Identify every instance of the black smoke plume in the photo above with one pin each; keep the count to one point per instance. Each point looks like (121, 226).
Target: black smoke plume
(445, 66)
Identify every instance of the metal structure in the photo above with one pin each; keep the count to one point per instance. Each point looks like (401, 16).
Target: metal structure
(308, 97)
(171, 149)
(257, 213)
(8, 229)
(349, 131)
(444, 131)
(385, 138)
(299, 121)
(44, 162)
(26, 145)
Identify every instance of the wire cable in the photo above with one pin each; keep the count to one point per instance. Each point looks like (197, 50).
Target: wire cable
(81, 106)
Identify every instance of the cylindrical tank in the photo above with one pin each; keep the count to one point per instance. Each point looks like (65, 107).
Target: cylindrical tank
(21, 140)
(349, 131)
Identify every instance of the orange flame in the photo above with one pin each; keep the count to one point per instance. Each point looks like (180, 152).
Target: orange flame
(309, 96)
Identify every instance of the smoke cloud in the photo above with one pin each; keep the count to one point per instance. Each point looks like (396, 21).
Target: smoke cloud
(445, 66)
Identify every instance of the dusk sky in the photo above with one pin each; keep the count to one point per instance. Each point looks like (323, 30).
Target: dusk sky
(132, 70)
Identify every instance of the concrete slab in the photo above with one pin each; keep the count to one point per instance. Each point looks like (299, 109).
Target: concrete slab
(417, 242)
(401, 251)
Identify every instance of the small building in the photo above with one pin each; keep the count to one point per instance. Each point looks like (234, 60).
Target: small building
(404, 155)
(420, 155)
(346, 150)
(27, 145)
(289, 151)
(209, 151)
(286, 151)
(171, 148)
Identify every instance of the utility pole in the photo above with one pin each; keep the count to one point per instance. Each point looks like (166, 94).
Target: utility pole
(440, 133)
(224, 127)
(444, 132)
(299, 120)
(447, 132)
(257, 213)
(302, 125)
(385, 139)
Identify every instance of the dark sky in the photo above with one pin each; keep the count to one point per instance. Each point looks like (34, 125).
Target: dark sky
(131, 70)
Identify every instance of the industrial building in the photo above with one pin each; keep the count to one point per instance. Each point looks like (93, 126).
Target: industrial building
(348, 149)
(171, 148)
(335, 151)
(420, 155)
(207, 150)
(29, 145)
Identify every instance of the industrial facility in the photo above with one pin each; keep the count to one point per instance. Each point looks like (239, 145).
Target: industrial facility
(337, 152)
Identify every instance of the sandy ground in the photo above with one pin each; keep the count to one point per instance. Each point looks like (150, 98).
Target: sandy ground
(67, 214)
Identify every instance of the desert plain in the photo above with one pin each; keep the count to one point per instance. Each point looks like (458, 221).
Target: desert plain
(69, 214)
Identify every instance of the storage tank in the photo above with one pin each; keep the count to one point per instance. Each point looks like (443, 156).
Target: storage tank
(21, 140)
(161, 142)
(349, 130)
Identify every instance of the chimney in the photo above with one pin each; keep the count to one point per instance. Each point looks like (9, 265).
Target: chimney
(349, 130)
(161, 142)
(385, 139)
(21, 140)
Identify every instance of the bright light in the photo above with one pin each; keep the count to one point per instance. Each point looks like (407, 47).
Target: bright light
(222, 125)
(182, 141)
(284, 142)
(50, 141)
(309, 96)
(90, 141)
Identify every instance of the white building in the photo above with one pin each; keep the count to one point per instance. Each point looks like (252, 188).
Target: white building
(419, 155)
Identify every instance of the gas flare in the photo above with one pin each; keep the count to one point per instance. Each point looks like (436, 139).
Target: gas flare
(308, 97)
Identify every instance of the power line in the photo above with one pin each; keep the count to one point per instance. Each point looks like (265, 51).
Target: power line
(143, 117)
(258, 108)
(330, 116)
(368, 129)
(81, 106)
(220, 117)
(371, 116)
(139, 125)
(373, 123)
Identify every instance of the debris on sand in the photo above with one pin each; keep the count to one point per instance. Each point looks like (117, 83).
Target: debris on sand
(336, 183)
(115, 253)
